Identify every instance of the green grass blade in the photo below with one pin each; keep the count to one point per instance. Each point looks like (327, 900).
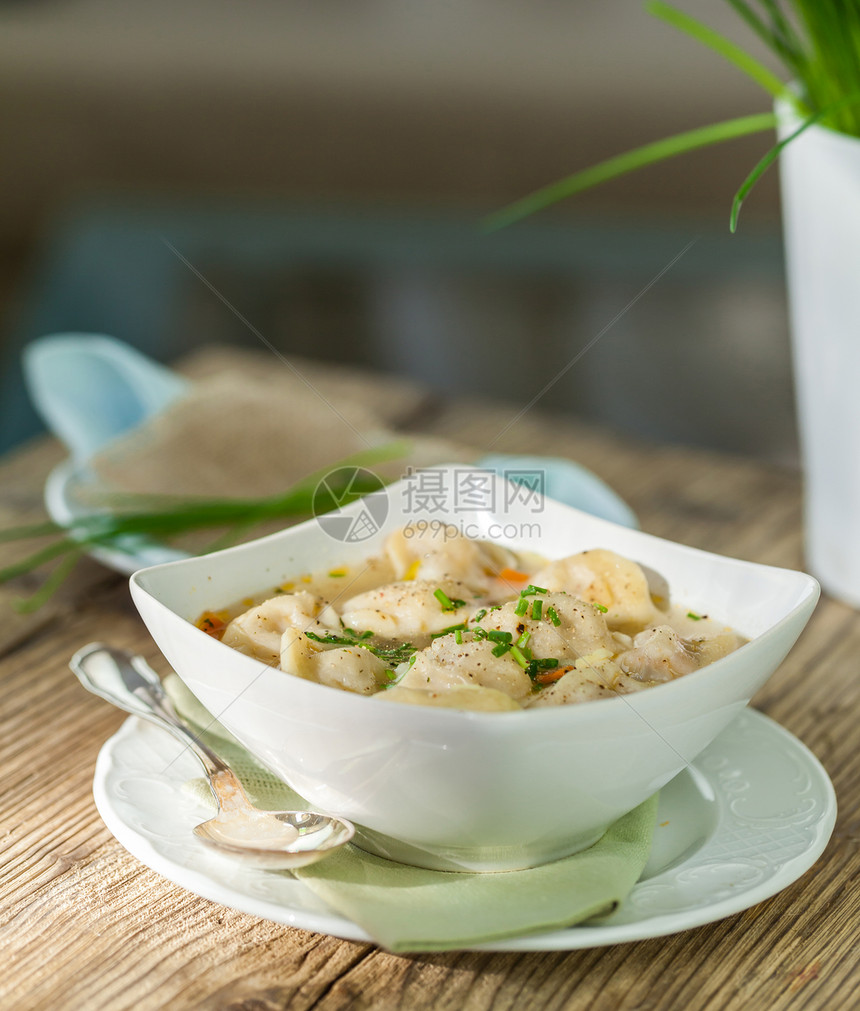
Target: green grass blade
(630, 161)
(36, 559)
(55, 580)
(774, 153)
(780, 36)
(29, 530)
(719, 44)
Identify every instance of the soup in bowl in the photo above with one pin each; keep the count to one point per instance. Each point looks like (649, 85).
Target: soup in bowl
(455, 784)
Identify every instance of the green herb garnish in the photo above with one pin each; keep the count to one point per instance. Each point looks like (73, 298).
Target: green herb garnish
(501, 649)
(695, 617)
(390, 654)
(531, 590)
(499, 636)
(552, 614)
(480, 614)
(537, 608)
(392, 676)
(448, 630)
(522, 607)
(536, 666)
(520, 657)
(600, 607)
(447, 603)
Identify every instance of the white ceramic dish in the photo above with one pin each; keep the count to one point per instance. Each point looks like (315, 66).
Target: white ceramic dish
(751, 814)
(451, 789)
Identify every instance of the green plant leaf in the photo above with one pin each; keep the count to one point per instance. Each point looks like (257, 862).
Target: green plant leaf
(780, 37)
(774, 153)
(656, 151)
(719, 43)
(55, 580)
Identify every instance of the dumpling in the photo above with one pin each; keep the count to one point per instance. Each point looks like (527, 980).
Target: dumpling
(258, 632)
(582, 628)
(447, 664)
(660, 654)
(349, 668)
(436, 551)
(406, 610)
(604, 578)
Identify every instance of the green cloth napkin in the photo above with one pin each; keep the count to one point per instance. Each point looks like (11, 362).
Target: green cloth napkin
(407, 908)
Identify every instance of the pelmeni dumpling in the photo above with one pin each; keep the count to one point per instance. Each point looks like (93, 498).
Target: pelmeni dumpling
(409, 609)
(581, 628)
(349, 668)
(258, 631)
(436, 551)
(447, 664)
(602, 577)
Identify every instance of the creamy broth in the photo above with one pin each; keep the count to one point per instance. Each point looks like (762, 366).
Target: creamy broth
(443, 620)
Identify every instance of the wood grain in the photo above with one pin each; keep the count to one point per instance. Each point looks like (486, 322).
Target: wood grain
(83, 925)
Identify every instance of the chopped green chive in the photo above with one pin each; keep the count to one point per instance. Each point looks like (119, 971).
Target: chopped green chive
(517, 654)
(521, 607)
(448, 630)
(695, 617)
(480, 614)
(392, 677)
(502, 648)
(447, 603)
(600, 608)
(480, 633)
(531, 590)
(499, 636)
(524, 639)
(357, 635)
(390, 654)
(552, 614)
(536, 666)
(537, 609)
(458, 636)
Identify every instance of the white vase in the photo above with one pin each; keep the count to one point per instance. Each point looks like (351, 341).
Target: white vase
(820, 173)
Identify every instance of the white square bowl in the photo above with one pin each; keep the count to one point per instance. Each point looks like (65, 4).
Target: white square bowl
(468, 790)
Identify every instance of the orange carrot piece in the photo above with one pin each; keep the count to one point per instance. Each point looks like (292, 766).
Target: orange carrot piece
(211, 623)
(513, 576)
(550, 676)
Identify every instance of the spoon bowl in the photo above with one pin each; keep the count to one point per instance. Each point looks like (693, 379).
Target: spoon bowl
(276, 840)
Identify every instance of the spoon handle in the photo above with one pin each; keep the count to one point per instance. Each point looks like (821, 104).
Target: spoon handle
(130, 683)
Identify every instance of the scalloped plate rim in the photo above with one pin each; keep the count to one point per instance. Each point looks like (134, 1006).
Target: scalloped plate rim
(572, 938)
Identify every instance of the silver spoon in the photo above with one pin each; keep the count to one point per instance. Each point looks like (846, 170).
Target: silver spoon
(272, 839)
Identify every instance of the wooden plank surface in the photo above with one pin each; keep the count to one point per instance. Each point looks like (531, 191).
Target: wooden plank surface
(85, 925)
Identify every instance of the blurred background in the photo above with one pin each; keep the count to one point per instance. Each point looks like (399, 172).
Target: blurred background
(326, 167)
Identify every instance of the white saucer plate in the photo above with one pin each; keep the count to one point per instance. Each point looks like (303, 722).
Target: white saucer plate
(747, 818)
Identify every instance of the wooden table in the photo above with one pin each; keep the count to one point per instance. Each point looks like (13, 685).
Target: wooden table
(84, 925)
